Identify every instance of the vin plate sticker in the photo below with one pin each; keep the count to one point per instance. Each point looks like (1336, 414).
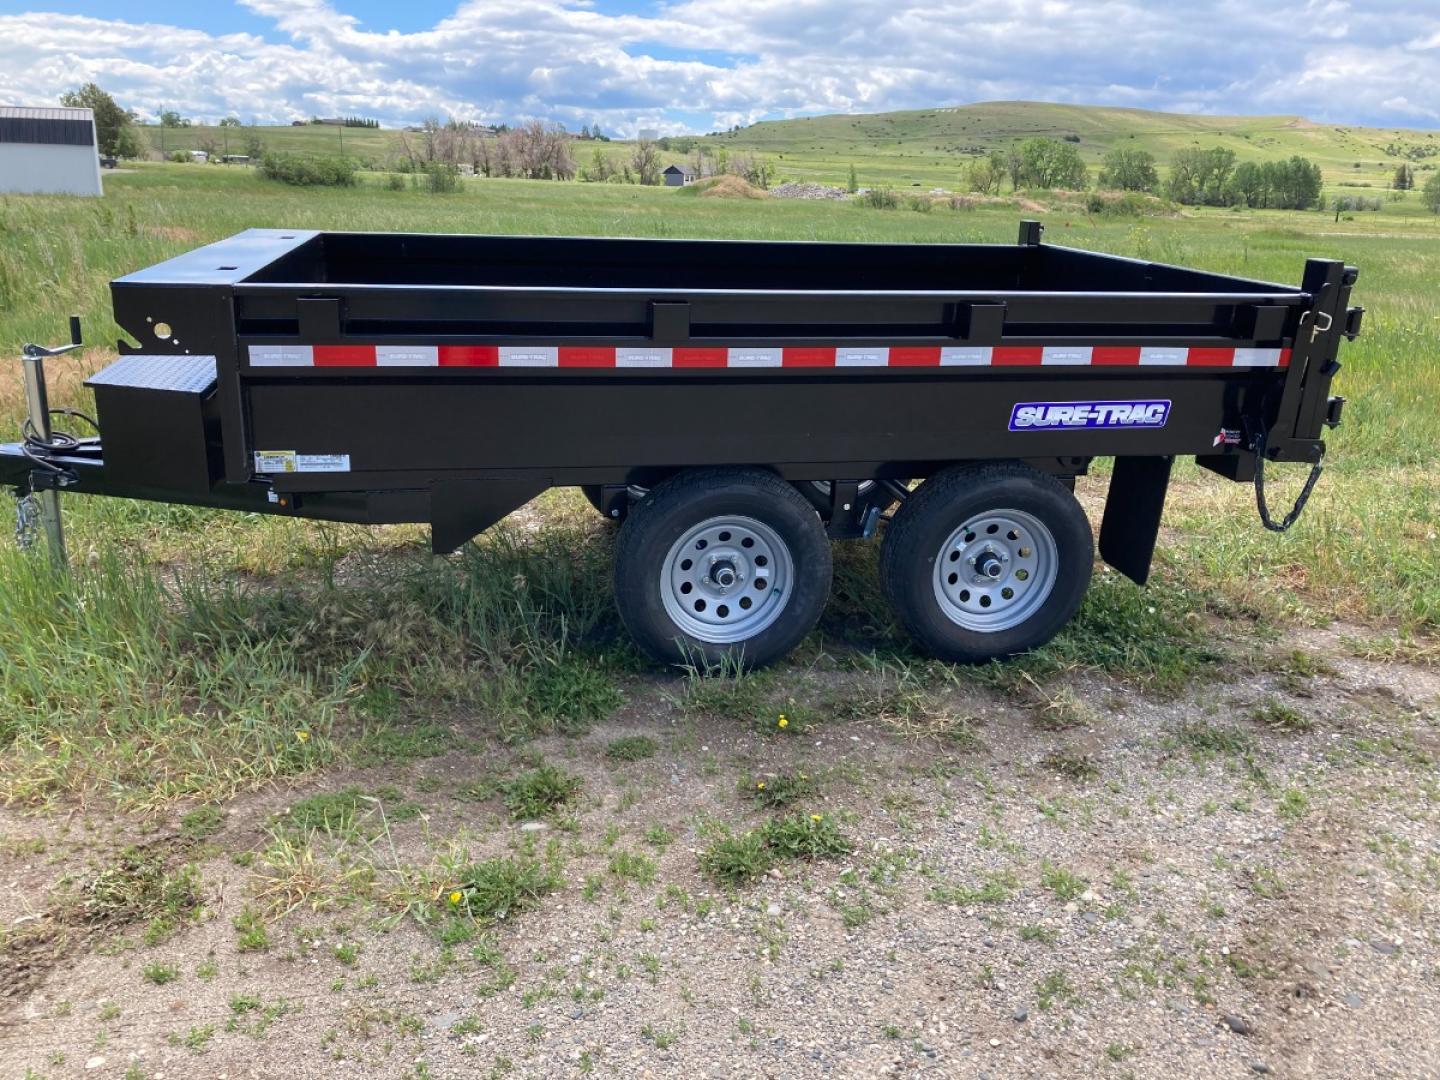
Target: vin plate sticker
(1076, 415)
(288, 461)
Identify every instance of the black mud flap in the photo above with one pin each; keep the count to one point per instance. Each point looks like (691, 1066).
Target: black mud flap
(1132, 514)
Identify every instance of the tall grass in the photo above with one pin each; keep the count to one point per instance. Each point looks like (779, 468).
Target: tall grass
(115, 680)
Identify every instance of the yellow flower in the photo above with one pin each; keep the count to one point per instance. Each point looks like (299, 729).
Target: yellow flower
(782, 722)
(759, 785)
(303, 736)
(814, 817)
(455, 897)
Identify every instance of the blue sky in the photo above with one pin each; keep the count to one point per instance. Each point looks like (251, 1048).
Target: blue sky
(697, 65)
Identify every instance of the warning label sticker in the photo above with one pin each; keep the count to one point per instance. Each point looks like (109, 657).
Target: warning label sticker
(288, 461)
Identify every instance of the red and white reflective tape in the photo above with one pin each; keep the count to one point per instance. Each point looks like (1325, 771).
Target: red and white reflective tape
(610, 356)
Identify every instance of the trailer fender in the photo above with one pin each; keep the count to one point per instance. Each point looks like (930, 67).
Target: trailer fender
(461, 510)
(1133, 506)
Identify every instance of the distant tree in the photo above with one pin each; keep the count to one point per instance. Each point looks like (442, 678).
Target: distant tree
(127, 143)
(1201, 176)
(755, 169)
(852, 185)
(600, 168)
(1129, 170)
(645, 162)
(1050, 163)
(254, 145)
(1404, 178)
(1430, 193)
(114, 133)
(986, 174)
(702, 159)
(1249, 185)
(172, 119)
(230, 121)
(1294, 183)
(535, 151)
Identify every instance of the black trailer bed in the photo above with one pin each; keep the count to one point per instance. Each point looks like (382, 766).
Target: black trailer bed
(390, 377)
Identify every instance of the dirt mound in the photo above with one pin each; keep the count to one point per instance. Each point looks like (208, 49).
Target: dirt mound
(728, 187)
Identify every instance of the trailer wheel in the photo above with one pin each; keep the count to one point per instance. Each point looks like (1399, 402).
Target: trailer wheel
(987, 561)
(721, 564)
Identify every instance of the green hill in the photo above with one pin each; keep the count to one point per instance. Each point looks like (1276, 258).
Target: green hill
(932, 146)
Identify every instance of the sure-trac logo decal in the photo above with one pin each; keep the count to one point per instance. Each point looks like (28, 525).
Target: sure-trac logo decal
(1068, 415)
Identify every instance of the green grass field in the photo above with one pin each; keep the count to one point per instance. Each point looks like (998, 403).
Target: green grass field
(118, 642)
(931, 147)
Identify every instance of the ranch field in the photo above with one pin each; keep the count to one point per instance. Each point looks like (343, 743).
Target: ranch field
(283, 799)
(928, 147)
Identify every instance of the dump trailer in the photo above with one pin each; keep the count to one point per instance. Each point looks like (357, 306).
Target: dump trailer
(733, 405)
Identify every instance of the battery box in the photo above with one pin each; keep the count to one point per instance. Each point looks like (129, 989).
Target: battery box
(159, 422)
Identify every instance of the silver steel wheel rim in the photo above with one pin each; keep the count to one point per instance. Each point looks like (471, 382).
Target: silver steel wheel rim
(996, 570)
(823, 486)
(726, 579)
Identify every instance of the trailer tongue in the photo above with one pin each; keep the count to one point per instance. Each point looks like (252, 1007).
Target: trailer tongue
(737, 404)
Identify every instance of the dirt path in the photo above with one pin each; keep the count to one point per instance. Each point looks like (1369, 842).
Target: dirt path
(1242, 880)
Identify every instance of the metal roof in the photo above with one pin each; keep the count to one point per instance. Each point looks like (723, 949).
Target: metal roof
(47, 126)
(22, 112)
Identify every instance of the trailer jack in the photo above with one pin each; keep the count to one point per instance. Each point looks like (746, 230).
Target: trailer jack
(38, 506)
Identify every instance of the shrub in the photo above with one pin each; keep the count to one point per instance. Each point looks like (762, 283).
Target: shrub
(395, 182)
(308, 171)
(881, 199)
(437, 178)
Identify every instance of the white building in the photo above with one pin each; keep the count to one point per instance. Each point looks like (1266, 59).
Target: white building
(48, 152)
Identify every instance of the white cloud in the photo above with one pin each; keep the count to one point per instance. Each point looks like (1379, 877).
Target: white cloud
(744, 60)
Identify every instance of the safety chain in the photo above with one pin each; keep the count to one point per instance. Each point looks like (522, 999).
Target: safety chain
(27, 519)
(1263, 506)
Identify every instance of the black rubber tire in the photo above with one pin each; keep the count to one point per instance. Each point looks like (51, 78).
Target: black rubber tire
(657, 521)
(940, 506)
